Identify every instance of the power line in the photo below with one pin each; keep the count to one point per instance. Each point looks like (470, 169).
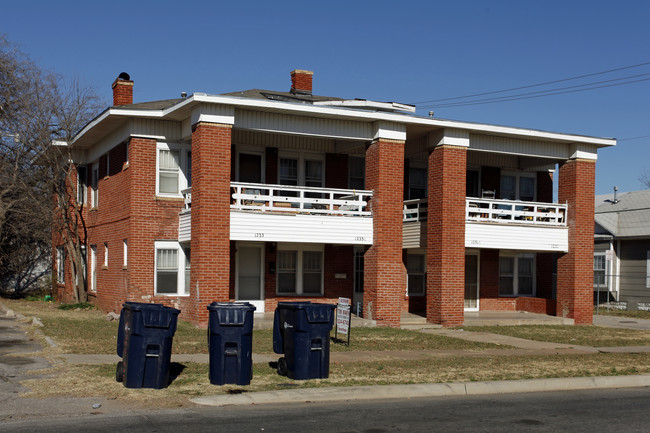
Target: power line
(540, 93)
(534, 85)
(633, 138)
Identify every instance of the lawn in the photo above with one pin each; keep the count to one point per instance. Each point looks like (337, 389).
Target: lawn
(603, 311)
(594, 336)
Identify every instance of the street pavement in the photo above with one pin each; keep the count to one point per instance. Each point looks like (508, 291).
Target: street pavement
(20, 358)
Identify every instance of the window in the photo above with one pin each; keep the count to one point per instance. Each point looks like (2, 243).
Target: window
(417, 183)
(472, 183)
(93, 268)
(304, 170)
(415, 268)
(600, 270)
(94, 183)
(288, 171)
(108, 165)
(170, 278)
(81, 276)
(358, 270)
(300, 271)
(356, 172)
(105, 254)
(82, 185)
(60, 265)
(518, 186)
(517, 275)
(126, 254)
(173, 168)
(187, 271)
(647, 270)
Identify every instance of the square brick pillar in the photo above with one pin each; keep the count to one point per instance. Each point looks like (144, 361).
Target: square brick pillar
(575, 268)
(384, 273)
(210, 267)
(446, 231)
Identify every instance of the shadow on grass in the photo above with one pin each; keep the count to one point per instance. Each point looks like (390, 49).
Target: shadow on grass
(175, 369)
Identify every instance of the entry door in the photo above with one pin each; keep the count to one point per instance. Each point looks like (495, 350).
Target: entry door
(471, 282)
(357, 300)
(250, 281)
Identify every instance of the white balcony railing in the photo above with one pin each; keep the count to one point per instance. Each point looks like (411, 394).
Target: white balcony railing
(510, 211)
(497, 211)
(294, 199)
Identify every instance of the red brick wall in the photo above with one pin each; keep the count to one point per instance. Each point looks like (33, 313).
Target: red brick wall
(336, 170)
(488, 277)
(446, 235)
(575, 268)
(210, 273)
(301, 81)
(385, 274)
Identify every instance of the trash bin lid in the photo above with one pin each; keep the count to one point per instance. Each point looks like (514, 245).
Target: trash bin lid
(231, 313)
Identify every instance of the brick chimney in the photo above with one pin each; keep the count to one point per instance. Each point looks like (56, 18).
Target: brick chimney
(123, 90)
(301, 82)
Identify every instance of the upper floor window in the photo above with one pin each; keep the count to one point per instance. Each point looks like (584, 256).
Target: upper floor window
(356, 172)
(417, 182)
(518, 186)
(173, 169)
(304, 170)
(82, 184)
(94, 185)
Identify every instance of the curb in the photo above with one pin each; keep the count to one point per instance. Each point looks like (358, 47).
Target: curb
(380, 392)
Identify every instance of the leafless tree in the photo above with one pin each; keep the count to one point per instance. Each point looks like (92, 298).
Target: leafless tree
(38, 110)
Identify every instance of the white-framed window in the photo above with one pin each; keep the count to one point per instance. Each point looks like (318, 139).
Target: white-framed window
(302, 169)
(417, 183)
(81, 275)
(125, 261)
(356, 172)
(600, 270)
(82, 184)
(416, 269)
(358, 269)
(171, 267)
(517, 274)
(94, 186)
(106, 254)
(60, 265)
(173, 163)
(250, 165)
(93, 268)
(299, 270)
(108, 165)
(518, 186)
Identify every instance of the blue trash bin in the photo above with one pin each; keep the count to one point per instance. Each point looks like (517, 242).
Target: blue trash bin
(301, 331)
(230, 342)
(144, 341)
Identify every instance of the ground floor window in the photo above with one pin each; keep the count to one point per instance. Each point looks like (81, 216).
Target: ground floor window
(600, 270)
(299, 270)
(172, 268)
(60, 265)
(517, 274)
(415, 268)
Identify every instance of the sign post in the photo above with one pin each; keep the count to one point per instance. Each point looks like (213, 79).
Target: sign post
(343, 318)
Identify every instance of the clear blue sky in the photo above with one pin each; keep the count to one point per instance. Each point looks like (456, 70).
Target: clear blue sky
(404, 51)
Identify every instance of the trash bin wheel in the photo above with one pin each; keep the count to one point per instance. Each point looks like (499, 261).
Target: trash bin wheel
(119, 372)
(282, 367)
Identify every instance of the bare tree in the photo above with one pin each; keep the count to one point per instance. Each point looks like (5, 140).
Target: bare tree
(39, 110)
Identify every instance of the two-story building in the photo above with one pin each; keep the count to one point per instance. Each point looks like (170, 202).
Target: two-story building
(265, 196)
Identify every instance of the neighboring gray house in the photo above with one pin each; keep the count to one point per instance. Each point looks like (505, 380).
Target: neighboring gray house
(622, 247)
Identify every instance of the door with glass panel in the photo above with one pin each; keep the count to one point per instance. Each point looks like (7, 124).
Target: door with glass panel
(471, 282)
(250, 275)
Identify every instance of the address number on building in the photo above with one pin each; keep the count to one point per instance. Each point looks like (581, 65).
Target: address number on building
(259, 235)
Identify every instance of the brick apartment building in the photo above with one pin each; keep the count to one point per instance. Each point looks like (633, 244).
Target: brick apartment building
(265, 196)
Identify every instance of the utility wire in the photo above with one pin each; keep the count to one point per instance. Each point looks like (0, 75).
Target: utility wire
(540, 93)
(534, 85)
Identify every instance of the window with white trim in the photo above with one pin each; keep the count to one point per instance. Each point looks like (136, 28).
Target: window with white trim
(81, 276)
(94, 184)
(518, 186)
(301, 169)
(171, 266)
(60, 265)
(173, 163)
(106, 254)
(600, 269)
(93, 268)
(647, 270)
(517, 274)
(82, 184)
(299, 270)
(125, 256)
(416, 269)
